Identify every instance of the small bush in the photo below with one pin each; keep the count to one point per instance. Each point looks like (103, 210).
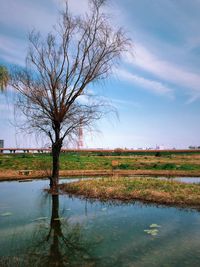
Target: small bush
(155, 166)
(124, 166)
(168, 166)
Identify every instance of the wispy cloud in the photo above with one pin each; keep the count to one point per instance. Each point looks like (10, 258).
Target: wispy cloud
(24, 15)
(17, 19)
(153, 86)
(12, 50)
(169, 72)
(121, 102)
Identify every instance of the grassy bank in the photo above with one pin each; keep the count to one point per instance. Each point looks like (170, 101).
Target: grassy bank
(144, 189)
(188, 162)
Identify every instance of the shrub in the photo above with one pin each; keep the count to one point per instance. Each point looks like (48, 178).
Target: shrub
(124, 166)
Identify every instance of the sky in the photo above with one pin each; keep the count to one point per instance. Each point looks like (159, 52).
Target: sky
(155, 88)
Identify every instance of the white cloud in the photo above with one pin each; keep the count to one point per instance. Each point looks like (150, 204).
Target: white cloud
(120, 102)
(148, 84)
(165, 70)
(23, 17)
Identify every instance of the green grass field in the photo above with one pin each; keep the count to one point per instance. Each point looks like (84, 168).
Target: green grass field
(108, 161)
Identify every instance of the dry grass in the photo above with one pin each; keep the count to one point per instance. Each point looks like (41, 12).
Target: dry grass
(145, 189)
(10, 175)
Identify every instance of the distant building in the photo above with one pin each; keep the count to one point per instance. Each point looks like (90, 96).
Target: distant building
(159, 147)
(1, 143)
(194, 147)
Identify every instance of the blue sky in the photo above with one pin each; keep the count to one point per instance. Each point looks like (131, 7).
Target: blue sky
(156, 87)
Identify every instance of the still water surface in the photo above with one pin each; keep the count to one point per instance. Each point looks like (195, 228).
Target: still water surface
(37, 229)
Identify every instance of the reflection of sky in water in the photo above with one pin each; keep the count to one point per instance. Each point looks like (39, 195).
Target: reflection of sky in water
(188, 180)
(116, 231)
(194, 180)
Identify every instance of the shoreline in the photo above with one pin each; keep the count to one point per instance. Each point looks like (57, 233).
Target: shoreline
(146, 190)
(156, 194)
(10, 175)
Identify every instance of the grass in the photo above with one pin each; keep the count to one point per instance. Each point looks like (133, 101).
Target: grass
(145, 189)
(104, 161)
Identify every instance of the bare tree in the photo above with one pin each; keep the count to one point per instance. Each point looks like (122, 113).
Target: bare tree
(80, 51)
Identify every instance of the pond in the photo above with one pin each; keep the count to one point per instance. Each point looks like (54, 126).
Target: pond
(37, 229)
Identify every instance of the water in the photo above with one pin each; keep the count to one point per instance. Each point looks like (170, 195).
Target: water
(37, 229)
(187, 180)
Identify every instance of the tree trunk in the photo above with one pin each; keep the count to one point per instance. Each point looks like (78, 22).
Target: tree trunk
(56, 148)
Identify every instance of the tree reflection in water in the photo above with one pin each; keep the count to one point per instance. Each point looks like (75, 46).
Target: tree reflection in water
(58, 244)
(64, 245)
